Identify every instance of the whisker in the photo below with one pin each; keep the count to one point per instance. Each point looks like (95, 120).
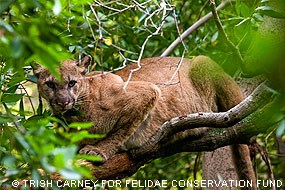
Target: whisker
(79, 102)
(82, 98)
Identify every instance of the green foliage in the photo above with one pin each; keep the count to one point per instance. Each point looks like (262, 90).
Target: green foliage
(33, 143)
(50, 31)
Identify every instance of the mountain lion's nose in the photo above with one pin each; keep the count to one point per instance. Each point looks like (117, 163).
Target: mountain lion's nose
(63, 104)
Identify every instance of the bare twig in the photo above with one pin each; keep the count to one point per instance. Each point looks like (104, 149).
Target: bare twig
(99, 24)
(111, 8)
(178, 30)
(266, 159)
(29, 97)
(138, 61)
(196, 165)
(178, 67)
(271, 174)
(234, 48)
(125, 7)
(192, 28)
(164, 8)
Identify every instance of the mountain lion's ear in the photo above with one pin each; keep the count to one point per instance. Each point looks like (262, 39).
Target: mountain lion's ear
(37, 68)
(84, 64)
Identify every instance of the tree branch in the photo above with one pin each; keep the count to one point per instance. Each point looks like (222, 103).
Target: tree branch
(192, 28)
(257, 99)
(252, 116)
(231, 45)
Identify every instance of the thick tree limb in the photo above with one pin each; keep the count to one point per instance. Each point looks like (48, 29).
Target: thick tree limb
(252, 116)
(258, 98)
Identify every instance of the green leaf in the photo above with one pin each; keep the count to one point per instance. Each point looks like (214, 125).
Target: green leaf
(68, 152)
(21, 108)
(258, 17)
(238, 7)
(36, 120)
(4, 119)
(12, 89)
(79, 136)
(214, 37)
(85, 172)
(16, 79)
(281, 129)
(81, 125)
(46, 53)
(71, 48)
(47, 60)
(6, 26)
(35, 175)
(11, 98)
(268, 11)
(9, 161)
(5, 4)
(46, 165)
(70, 174)
(89, 157)
(22, 141)
(59, 161)
(57, 120)
(3, 149)
(17, 47)
(40, 107)
(245, 10)
(57, 7)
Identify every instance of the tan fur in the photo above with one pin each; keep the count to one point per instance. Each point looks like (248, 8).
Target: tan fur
(131, 116)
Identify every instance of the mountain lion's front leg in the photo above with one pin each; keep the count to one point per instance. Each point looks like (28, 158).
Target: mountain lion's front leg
(131, 107)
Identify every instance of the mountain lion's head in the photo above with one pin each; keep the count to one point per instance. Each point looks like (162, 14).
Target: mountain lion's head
(65, 93)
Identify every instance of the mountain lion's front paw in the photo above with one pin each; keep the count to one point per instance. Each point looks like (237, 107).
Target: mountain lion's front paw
(94, 151)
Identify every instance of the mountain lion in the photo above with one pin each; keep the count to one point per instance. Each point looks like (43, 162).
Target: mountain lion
(163, 88)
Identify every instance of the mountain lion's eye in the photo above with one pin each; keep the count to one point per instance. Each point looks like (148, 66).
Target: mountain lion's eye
(72, 83)
(50, 84)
